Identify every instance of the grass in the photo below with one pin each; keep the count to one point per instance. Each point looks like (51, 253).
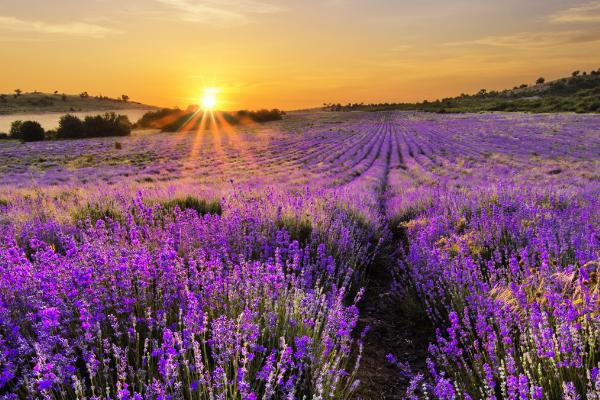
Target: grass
(299, 228)
(201, 206)
(95, 212)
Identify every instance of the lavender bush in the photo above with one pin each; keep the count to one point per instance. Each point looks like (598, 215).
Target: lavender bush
(175, 305)
(511, 278)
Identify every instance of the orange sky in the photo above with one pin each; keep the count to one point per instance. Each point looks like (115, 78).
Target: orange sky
(291, 53)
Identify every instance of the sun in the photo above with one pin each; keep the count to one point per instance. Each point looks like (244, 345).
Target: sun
(209, 99)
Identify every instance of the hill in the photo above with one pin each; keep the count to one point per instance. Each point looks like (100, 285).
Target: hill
(578, 93)
(34, 102)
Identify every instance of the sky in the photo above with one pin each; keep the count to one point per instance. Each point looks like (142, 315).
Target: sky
(291, 53)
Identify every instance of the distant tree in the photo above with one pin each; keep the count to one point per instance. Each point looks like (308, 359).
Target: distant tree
(70, 127)
(27, 131)
(584, 73)
(125, 98)
(15, 129)
(64, 97)
(32, 131)
(160, 118)
(264, 115)
(56, 92)
(109, 124)
(540, 81)
(50, 134)
(575, 73)
(523, 86)
(84, 95)
(3, 98)
(18, 92)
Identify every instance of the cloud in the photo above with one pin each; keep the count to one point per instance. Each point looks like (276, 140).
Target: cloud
(220, 12)
(589, 12)
(529, 40)
(84, 29)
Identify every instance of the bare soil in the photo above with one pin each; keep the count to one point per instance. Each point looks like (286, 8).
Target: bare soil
(398, 326)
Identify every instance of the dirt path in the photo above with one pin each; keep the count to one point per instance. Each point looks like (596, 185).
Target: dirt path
(398, 326)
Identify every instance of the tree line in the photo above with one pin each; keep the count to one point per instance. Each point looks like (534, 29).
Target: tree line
(173, 120)
(72, 127)
(578, 93)
(112, 124)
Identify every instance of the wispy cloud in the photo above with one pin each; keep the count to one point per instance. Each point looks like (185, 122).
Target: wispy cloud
(589, 12)
(529, 40)
(11, 24)
(220, 12)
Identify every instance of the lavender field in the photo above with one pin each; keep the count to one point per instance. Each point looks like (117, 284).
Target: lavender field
(329, 255)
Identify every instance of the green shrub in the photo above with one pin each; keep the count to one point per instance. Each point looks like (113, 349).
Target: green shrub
(70, 127)
(158, 119)
(51, 135)
(27, 131)
(299, 228)
(96, 212)
(109, 124)
(201, 206)
(15, 129)
(192, 119)
(262, 115)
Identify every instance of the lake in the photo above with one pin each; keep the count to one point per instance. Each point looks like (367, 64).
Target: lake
(50, 120)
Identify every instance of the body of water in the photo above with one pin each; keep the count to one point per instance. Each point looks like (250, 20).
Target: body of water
(50, 120)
